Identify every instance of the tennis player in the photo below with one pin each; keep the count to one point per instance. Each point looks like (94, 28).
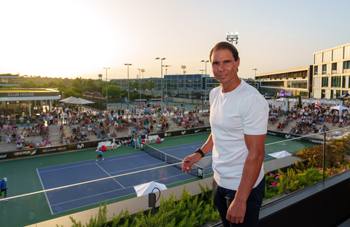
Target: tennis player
(3, 187)
(238, 119)
(99, 155)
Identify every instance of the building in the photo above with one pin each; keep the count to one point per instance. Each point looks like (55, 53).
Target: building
(176, 82)
(331, 72)
(7, 80)
(296, 80)
(26, 101)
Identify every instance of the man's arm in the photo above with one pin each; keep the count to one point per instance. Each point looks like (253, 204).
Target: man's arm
(251, 170)
(194, 158)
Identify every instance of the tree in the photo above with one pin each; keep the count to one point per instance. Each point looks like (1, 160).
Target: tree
(78, 85)
(134, 94)
(114, 91)
(70, 92)
(134, 84)
(90, 85)
(28, 84)
(8, 86)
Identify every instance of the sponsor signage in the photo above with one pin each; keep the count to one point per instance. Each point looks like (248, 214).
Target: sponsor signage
(89, 144)
(28, 94)
(290, 136)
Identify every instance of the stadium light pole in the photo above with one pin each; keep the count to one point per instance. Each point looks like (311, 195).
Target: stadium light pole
(161, 77)
(127, 65)
(205, 63)
(139, 76)
(142, 71)
(106, 88)
(231, 38)
(166, 83)
(183, 67)
(255, 73)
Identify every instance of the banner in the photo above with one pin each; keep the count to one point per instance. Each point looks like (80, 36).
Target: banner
(89, 144)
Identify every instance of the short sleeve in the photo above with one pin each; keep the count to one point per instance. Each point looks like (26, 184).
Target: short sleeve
(254, 113)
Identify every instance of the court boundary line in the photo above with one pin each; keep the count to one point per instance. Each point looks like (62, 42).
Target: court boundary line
(138, 167)
(109, 174)
(42, 185)
(106, 193)
(89, 163)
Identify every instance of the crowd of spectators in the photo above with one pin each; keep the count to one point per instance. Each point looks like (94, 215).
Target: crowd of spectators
(308, 119)
(77, 124)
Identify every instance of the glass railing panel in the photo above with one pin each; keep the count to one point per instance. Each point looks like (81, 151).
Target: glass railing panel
(299, 163)
(337, 152)
(51, 191)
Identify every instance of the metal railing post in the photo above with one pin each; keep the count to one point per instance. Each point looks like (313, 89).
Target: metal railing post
(324, 154)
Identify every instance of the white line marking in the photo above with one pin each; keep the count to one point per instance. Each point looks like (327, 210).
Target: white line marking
(90, 163)
(160, 164)
(114, 191)
(42, 185)
(109, 175)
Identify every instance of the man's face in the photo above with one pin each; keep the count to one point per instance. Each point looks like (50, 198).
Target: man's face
(224, 67)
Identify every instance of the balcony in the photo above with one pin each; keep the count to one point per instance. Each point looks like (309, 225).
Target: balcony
(324, 72)
(315, 73)
(334, 71)
(346, 70)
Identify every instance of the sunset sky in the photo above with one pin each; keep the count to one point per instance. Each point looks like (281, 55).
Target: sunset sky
(77, 38)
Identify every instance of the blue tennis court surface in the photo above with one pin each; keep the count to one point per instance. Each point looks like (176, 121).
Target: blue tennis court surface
(97, 192)
(82, 195)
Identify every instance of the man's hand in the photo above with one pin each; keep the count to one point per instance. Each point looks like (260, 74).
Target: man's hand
(236, 211)
(189, 161)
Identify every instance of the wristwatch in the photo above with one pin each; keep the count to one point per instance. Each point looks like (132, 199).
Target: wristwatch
(200, 152)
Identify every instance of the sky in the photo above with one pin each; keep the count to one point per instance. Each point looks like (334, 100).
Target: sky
(77, 38)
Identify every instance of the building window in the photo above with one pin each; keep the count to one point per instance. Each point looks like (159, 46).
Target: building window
(344, 79)
(297, 84)
(336, 81)
(324, 81)
(316, 70)
(273, 84)
(324, 69)
(323, 94)
(346, 67)
(334, 68)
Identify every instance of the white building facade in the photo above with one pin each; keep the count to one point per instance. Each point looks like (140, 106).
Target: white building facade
(331, 71)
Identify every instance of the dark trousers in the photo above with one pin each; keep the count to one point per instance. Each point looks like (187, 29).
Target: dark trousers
(223, 198)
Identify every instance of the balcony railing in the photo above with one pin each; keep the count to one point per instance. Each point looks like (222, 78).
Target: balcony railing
(324, 72)
(334, 71)
(346, 70)
(315, 73)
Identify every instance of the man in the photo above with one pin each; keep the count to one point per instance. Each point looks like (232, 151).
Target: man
(238, 119)
(99, 155)
(3, 187)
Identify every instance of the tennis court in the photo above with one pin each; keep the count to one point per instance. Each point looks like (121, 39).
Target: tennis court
(98, 191)
(146, 166)
(64, 169)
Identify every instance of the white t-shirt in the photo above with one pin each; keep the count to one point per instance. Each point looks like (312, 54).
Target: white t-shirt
(233, 114)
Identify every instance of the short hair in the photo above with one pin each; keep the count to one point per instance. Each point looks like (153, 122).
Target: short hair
(225, 46)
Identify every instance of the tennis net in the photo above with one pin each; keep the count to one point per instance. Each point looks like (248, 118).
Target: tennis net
(197, 171)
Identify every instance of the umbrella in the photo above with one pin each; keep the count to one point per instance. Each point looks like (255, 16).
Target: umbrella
(83, 101)
(345, 95)
(145, 189)
(73, 100)
(68, 100)
(281, 99)
(280, 154)
(340, 107)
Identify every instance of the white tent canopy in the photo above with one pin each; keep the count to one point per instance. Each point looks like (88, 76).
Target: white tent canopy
(145, 189)
(280, 154)
(340, 107)
(78, 101)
